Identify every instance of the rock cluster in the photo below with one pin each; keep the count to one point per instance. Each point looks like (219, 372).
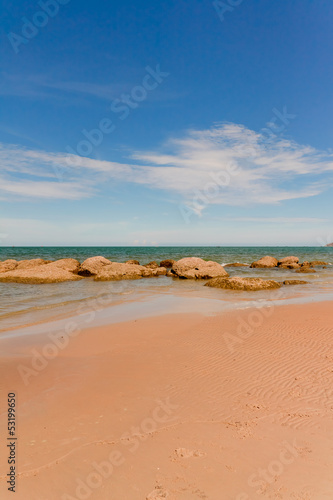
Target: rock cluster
(101, 269)
(288, 263)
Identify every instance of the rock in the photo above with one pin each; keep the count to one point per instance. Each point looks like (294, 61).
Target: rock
(196, 268)
(8, 265)
(236, 264)
(306, 264)
(265, 262)
(71, 265)
(170, 274)
(295, 282)
(305, 269)
(318, 263)
(248, 284)
(27, 264)
(152, 265)
(167, 263)
(288, 260)
(291, 265)
(93, 265)
(116, 271)
(136, 262)
(160, 271)
(48, 273)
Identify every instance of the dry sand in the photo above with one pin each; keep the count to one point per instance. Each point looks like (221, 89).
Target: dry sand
(178, 407)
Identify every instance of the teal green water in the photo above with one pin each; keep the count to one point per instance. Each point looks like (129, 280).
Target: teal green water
(146, 254)
(27, 304)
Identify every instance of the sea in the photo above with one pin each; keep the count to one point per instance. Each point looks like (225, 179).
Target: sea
(106, 302)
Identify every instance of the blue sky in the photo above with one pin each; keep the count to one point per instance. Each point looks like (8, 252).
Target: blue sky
(165, 123)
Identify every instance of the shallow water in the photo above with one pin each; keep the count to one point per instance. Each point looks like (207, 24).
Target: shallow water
(26, 304)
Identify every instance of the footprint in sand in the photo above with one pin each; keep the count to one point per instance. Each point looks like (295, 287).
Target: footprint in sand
(157, 494)
(184, 453)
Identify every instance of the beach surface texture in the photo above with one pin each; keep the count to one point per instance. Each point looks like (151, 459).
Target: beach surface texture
(182, 406)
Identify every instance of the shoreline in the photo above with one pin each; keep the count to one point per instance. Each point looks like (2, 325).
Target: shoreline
(148, 303)
(182, 406)
(38, 290)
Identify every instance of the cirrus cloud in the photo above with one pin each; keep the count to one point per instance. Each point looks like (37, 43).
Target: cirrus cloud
(266, 172)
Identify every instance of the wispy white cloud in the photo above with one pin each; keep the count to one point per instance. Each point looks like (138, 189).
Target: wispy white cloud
(46, 190)
(43, 86)
(107, 91)
(274, 220)
(255, 171)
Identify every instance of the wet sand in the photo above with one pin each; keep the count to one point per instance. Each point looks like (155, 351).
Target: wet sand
(236, 406)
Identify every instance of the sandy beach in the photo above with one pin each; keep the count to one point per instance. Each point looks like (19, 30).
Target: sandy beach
(235, 406)
(166, 250)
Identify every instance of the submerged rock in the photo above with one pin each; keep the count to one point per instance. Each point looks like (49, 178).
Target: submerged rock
(236, 264)
(305, 269)
(196, 268)
(318, 263)
(291, 265)
(247, 284)
(265, 262)
(295, 282)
